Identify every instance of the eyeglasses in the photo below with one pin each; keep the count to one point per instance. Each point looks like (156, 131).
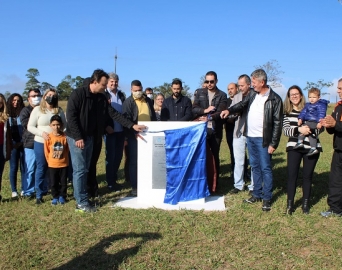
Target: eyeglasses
(35, 96)
(211, 81)
(294, 95)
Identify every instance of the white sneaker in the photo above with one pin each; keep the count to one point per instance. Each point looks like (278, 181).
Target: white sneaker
(22, 193)
(14, 194)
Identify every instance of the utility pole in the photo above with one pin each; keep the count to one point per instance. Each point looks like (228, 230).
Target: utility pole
(115, 58)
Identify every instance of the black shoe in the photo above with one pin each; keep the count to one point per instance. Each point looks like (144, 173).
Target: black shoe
(266, 205)
(312, 151)
(290, 208)
(298, 146)
(250, 193)
(85, 208)
(305, 207)
(252, 200)
(39, 201)
(234, 191)
(115, 188)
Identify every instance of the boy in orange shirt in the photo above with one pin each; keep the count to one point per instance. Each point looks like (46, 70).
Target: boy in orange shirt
(57, 156)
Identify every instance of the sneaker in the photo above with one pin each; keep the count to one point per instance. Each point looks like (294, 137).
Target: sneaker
(22, 193)
(61, 200)
(14, 194)
(266, 205)
(298, 146)
(134, 192)
(330, 213)
(234, 191)
(39, 201)
(54, 201)
(85, 208)
(252, 200)
(250, 193)
(312, 151)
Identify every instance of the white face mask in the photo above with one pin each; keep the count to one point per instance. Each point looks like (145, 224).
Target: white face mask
(137, 94)
(36, 101)
(150, 96)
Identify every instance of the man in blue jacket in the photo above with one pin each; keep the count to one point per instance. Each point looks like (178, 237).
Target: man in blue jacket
(176, 107)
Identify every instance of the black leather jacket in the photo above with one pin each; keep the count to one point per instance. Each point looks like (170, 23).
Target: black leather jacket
(272, 118)
(201, 102)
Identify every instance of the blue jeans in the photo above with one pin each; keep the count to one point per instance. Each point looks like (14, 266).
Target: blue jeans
(239, 147)
(41, 180)
(2, 162)
(114, 151)
(260, 161)
(132, 147)
(17, 157)
(80, 159)
(30, 169)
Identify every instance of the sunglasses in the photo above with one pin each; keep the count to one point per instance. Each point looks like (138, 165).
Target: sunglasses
(211, 81)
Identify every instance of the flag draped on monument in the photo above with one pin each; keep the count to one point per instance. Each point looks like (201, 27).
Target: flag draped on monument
(186, 173)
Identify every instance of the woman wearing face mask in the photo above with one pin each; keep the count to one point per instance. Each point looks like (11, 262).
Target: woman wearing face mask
(39, 125)
(14, 143)
(3, 120)
(158, 103)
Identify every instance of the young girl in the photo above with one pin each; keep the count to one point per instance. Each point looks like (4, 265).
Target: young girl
(56, 152)
(14, 142)
(3, 120)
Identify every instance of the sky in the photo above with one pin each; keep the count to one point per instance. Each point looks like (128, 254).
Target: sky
(158, 40)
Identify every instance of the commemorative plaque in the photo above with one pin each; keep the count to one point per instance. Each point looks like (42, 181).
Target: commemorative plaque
(158, 163)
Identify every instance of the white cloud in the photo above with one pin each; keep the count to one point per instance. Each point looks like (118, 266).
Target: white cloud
(281, 91)
(11, 83)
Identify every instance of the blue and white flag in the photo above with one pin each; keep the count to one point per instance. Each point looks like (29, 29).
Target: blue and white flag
(186, 173)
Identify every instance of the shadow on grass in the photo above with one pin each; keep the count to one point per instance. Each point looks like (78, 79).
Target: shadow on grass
(97, 258)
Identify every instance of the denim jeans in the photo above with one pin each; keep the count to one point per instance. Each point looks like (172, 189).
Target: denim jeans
(41, 181)
(260, 161)
(17, 158)
(132, 147)
(239, 147)
(2, 162)
(30, 169)
(114, 151)
(80, 159)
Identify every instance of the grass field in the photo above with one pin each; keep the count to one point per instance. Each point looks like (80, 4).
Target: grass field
(242, 237)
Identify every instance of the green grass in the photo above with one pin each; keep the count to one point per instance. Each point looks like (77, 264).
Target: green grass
(242, 237)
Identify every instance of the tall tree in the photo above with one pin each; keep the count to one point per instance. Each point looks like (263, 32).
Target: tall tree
(32, 82)
(44, 86)
(65, 87)
(273, 71)
(201, 81)
(78, 81)
(165, 89)
(7, 94)
(320, 84)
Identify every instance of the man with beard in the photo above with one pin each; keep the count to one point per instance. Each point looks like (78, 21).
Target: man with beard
(176, 107)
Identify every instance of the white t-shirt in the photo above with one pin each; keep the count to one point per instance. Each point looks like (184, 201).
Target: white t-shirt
(255, 119)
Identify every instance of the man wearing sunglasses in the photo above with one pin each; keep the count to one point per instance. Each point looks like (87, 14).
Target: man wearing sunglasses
(207, 106)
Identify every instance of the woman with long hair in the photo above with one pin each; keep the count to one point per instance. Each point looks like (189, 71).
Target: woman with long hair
(14, 144)
(293, 104)
(158, 103)
(3, 120)
(39, 125)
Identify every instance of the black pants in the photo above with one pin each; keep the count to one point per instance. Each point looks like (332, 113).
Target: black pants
(214, 143)
(294, 159)
(91, 178)
(229, 138)
(58, 182)
(335, 183)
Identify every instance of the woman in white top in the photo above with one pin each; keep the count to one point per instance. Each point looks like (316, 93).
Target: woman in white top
(39, 125)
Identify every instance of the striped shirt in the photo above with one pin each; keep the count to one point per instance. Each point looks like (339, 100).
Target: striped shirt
(290, 129)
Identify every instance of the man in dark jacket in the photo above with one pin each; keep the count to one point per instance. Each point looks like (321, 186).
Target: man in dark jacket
(34, 96)
(137, 107)
(264, 125)
(177, 107)
(87, 117)
(333, 123)
(208, 104)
